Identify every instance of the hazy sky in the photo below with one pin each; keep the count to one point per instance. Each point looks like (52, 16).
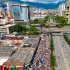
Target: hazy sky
(44, 1)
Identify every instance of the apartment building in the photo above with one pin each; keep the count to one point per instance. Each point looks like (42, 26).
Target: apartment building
(9, 10)
(62, 10)
(6, 29)
(68, 11)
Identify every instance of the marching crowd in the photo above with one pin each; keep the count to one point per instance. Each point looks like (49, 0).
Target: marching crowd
(42, 57)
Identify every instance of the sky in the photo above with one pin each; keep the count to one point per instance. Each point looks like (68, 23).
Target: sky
(43, 1)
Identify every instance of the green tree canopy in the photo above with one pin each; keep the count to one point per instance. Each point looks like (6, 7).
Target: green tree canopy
(46, 19)
(41, 22)
(35, 21)
(21, 29)
(60, 19)
(17, 28)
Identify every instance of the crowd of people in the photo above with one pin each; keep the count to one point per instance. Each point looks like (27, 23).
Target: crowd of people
(42, 57)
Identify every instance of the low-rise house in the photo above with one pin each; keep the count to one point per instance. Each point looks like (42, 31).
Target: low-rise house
(17, 40)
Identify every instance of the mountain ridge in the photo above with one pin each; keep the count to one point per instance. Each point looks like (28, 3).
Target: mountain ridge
(38, 5)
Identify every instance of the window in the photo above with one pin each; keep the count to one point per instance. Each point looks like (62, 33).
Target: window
(16, 9)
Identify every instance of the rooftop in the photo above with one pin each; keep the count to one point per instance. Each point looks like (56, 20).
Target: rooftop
(20, 57)
(11, 40)
(24, 55)
(21, 5)
(6, 52)
(9, 25)
(32, 41)
(15, 38)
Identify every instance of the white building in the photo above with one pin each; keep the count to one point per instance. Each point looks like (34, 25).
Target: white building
(9, 7)
(39, 11)
(62, 10)
(6, 28)
(9, 10)
(38, 16)
(1, 9)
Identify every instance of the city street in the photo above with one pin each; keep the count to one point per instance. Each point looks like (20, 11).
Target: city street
(42, 57)
(62, 52)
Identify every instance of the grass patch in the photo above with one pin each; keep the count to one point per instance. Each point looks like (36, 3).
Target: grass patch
(66, 39)
(52, 57)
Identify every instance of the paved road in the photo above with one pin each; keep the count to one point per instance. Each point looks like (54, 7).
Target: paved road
(66, 29)
(62, 53)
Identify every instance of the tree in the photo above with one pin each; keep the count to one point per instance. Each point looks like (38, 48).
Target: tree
(46, 26)
(41, 22)
(21, 29)
(46, 19)
(35, 21)
(17, 28)
(32, 30)
(61, 20)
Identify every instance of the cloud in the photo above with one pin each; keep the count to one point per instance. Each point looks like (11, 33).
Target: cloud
(43, 1)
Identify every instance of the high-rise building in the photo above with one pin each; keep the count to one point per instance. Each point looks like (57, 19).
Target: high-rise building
(68, 11)
(1, 14)
(9, 10)
(21, 12)
(62, 10)
(1, 8)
